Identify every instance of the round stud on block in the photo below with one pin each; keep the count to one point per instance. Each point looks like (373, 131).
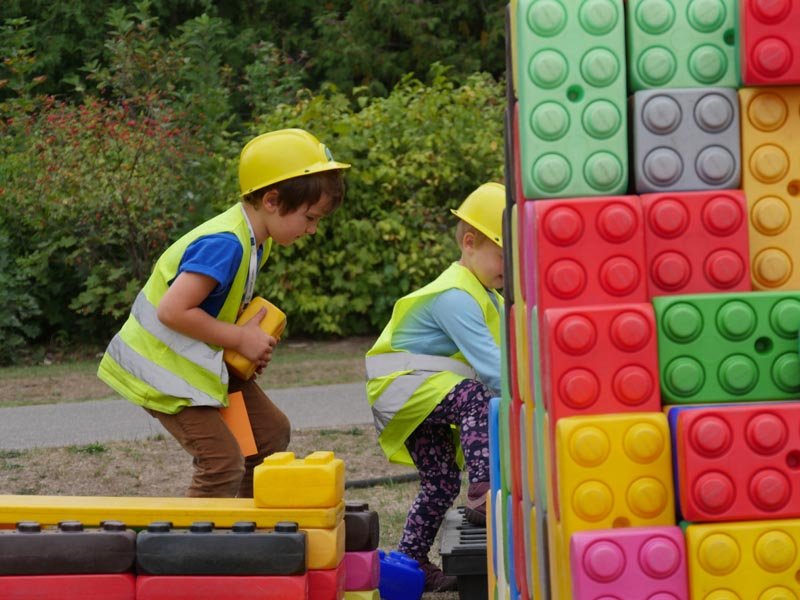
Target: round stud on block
(576, 335)
(70, 526)
(767, 111)
(547, 18)
(771, 57)
(766, 433)
(589, 446)
(598, 17)
(662, 167)
(159, 527)
(713, 113)
(617, 223)
(671, 270)
(202, 527)
(715, 165)
(786, 372)
(736, 320)
(706, 16)
(563, 226)
(657, 66)
(604, 561)
(643, 443)
(619, 276)
(714, 492)
(579, 388)
(775, 551)
(551, 172)
(601, 119)
(603, 171)
(111, 525)
(769, 163)
(785, 318)
(549, 121)
(707, 64)
(250, 526)
(663, 596)
(633, 385)
(630, 331)
(566, 279)
(668, 218)
(738, 374)
(647, 497)
(548, 68)
(770, 12)
(592, 501)
(724, 269)
(722, 595)
(682, 322)
(710, 436)
(777, 592)
(684, 377)
(719, 554)
(659, 557)
(29, 527)
(722, 215)
(655, 16)
(661, 115)
(599, 67)
(770, 490)
(772, 267)
(770, 215)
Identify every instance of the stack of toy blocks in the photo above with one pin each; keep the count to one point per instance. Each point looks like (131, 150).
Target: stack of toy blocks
(651, 285)
(286, 543)
(361, 558)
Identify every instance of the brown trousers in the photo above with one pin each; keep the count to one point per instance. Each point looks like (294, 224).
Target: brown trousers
(220, 470)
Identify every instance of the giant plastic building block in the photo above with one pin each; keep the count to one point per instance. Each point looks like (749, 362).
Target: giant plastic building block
(137, 512)
(738, 561)
(696, 242)
(599, 359)
(739, 463)
(116, 586)
(222, 587)
(327, 584)
(362, 527)
(644, 562)
(571, 84)
(769, 48)
(367, 595)
(681, 43)
(67, 549)
(202, 550)
(771, 184)
(401, 577)
(316, 481)
(589, 251)
(728, 347)
(685, 140)
(362, 570)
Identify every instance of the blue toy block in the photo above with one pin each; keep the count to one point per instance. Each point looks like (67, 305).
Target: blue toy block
(401, 577)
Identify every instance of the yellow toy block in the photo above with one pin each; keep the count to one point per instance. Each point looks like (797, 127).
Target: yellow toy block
(770, 130)
(490, 557)
(529, 456)
(614, 471)
(500, 547)
(325, 547)
(364, 595)
(744, 561)
(521, 336)
(316, 481)
(533, 559)
(141, 511)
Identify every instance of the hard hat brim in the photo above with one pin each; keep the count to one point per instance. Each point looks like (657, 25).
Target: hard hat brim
(485, 231)
(319, 167)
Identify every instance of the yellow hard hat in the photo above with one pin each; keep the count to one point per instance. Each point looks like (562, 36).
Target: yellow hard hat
(280, 155)
(483, 209)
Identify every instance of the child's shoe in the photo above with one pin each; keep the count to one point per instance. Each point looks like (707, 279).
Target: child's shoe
(475, 509)
(436, 580)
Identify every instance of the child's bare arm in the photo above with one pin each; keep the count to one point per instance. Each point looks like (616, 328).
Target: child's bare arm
(180, 310)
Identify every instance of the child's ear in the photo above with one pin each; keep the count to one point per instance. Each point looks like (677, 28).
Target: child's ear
(468, 241)
(270, 200)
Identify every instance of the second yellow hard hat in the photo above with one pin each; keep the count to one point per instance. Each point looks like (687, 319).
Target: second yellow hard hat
(483, 209)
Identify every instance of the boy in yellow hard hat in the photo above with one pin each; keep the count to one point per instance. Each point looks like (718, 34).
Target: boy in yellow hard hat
(432, 372)
(167, 357)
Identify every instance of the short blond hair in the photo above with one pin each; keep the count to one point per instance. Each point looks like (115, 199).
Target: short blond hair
(463, 228)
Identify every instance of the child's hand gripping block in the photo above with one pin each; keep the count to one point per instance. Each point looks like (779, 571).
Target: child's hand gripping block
(281, 481)
(274, 323)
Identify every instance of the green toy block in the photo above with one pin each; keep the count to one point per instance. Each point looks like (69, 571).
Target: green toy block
(682, 44)
(571, 82)
(728, 347)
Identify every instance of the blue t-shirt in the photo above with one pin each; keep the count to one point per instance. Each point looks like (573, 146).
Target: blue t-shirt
(218, 256)
(449, 322)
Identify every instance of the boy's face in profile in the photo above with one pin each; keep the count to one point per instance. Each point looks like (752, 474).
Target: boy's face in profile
(288, 228)
(484, 258)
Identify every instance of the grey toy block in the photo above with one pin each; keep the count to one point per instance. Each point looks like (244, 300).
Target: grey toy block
(685, 139)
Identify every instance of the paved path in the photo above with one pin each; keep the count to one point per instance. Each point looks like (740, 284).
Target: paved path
(54, 425)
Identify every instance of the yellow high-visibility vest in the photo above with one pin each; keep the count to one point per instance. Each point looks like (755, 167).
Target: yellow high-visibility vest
(404, 388)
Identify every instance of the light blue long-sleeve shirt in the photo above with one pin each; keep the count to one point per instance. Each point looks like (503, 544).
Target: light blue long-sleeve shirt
(449, 322)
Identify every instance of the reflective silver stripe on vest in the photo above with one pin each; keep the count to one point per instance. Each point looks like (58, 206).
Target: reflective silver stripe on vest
(382, 365)
(189, 348)
(395, 396)
(156, 375)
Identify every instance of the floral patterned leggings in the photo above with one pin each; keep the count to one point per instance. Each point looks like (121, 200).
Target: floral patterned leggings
(434, 453)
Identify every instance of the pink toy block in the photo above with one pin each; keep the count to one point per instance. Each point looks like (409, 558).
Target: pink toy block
(768, 42)
(696, 242)
(637, 563)
(362, 571)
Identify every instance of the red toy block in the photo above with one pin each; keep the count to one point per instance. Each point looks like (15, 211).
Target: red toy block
(118, 586)
(515, 420)
(769, 47)
(696, 242)
(738, 463)
(512, 354)
(590, 251)
(362, 571)
(327, 584)
(221, 587)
